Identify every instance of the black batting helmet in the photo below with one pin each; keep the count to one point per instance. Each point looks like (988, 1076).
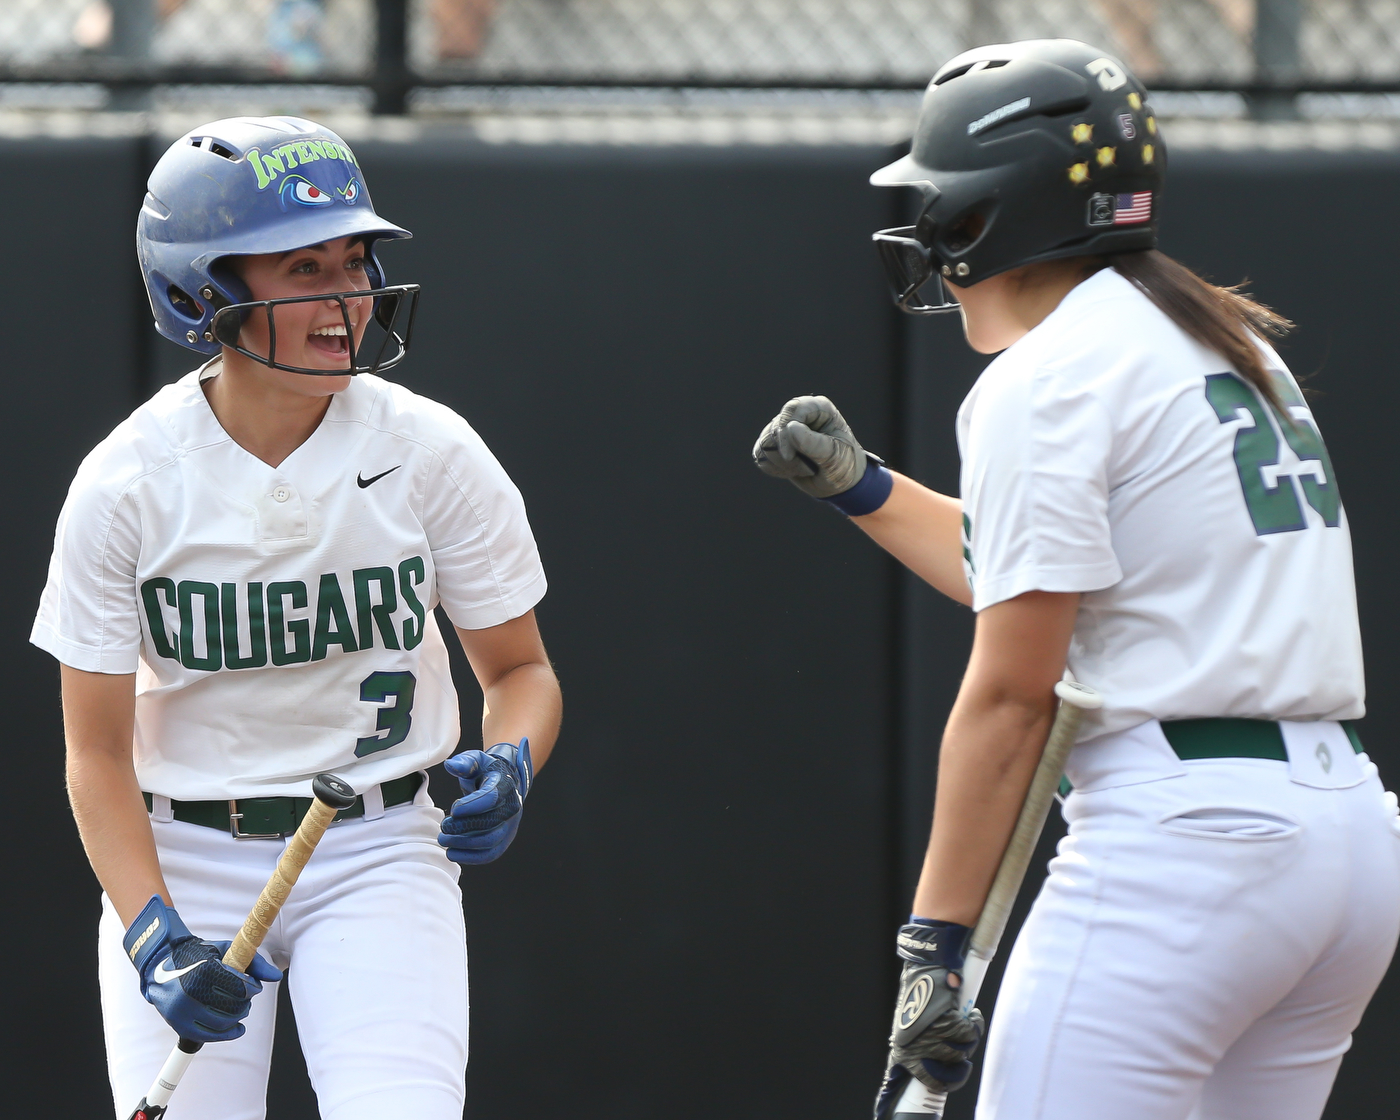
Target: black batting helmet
(1024, 152)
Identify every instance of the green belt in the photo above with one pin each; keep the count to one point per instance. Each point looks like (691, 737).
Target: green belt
(1218, 737)
(1234, 738)
(269, 818)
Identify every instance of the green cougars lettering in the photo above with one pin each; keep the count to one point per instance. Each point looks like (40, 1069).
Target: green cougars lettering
(242, 626)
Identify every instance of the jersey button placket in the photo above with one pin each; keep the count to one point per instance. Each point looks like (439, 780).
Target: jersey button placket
(280, 514)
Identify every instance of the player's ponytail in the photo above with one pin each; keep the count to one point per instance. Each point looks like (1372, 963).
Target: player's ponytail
(1221, 319)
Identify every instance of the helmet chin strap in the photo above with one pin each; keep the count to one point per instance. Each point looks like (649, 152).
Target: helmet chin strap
(947, 302)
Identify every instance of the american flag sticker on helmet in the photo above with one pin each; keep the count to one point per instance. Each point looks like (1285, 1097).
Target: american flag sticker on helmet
(1133, 209)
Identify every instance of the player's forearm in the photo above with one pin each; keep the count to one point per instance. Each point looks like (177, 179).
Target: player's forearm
(993, 742)
(989, 754)
(99, 714)
(524, 703)
(922, 529)
(115, 830)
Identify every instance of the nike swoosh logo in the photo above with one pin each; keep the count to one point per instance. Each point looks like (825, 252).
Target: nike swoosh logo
(163, 975)
(363, 482)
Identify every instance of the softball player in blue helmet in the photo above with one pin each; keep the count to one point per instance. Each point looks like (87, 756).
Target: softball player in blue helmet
(242, 596)
(1145, 500)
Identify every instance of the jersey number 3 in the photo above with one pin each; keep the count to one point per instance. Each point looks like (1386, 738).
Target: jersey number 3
(396, 719)
(1271, 496)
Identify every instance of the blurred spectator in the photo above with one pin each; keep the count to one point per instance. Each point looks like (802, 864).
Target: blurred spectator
(93, 27)
(1134, 26)
(294, 36)
(294, 29)
(92, 30)
(462, 26)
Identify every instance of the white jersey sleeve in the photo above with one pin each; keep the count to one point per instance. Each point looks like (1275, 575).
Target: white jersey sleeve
(88, 616)
(488, 567)
(1037, 499)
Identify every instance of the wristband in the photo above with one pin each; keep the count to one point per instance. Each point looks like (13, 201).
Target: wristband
(867, 495)
(928, 942)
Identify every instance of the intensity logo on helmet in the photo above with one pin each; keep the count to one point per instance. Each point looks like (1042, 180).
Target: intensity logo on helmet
(298, 153)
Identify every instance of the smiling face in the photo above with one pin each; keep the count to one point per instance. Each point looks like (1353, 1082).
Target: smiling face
(312, 334)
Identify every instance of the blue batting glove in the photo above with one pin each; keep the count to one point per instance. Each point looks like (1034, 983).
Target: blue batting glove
(185, 978)
(484, 820)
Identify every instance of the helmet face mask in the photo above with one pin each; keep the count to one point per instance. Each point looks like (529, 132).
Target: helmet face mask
(389, 306)
(248, 186)
(1026, 152)
(909, 265)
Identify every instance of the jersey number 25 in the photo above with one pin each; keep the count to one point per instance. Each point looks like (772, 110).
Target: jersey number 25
(1271, 496)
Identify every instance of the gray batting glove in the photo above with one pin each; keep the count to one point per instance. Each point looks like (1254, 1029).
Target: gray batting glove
(810, 444)
(932, 1039)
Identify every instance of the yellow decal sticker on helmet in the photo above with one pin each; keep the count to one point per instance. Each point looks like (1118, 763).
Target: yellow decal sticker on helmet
(1079, 173)
(1082, 133)
(1106, 157)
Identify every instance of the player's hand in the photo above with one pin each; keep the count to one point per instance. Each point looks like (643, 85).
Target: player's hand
(484, 820)
(810, 444)
(932, 1039)
(186, 980)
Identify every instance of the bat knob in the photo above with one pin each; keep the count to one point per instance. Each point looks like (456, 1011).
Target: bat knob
(334, 791)
(1080, 695)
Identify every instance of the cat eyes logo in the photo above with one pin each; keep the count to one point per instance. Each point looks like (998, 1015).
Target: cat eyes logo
(301, 190)
(276, 166)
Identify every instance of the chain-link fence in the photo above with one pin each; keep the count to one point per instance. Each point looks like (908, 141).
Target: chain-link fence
(1209, 44)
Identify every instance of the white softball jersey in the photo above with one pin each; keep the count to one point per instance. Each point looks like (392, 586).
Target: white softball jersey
(1108, 453)
(280, 619)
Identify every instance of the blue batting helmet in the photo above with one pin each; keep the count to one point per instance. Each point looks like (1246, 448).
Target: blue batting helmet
(237, 187)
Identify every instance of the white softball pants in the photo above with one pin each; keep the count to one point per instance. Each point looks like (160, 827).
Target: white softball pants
(1206, 941)
(374, 938)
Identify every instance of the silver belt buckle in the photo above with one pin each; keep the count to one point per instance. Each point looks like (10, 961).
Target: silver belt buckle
(234, 816)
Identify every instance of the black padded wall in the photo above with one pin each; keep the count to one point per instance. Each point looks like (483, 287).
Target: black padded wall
(711, 845)
(73, 347)
(696, 917)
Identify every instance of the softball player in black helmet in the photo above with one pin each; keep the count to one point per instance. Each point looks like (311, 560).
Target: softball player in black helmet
(1146, 501)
